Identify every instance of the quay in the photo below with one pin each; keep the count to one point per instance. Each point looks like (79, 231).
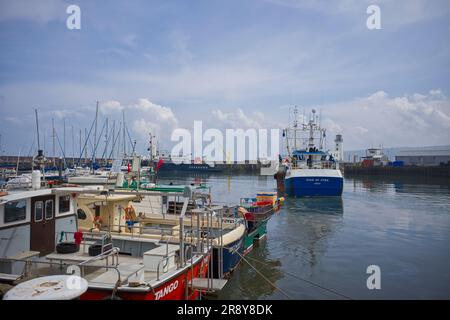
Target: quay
(411, 171)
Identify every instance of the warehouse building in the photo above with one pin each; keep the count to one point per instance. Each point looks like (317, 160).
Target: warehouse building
(425, 156)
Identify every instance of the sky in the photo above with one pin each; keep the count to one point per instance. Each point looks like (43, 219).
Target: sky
(230, 64)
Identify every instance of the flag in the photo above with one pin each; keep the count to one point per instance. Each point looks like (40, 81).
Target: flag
(159, 164)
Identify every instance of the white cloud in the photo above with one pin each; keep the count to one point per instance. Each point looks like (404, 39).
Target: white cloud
(239, 119)
(410, 120)
(155, 112)
(110, 107)
(148, 117)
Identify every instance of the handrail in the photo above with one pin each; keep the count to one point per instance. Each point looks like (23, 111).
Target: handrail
(159, 262)
(101, 256)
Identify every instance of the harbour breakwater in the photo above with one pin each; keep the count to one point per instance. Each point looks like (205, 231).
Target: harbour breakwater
(25, 164)
(411, 171)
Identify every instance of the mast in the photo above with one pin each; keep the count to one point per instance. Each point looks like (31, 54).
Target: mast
(85, 149)
(106, 138)
(40, 159)
(37, 129)
(114, 137)
(80, 149)
(295, 126)
(64, 137)
(124, 138)
(95, 137)
(73, 149)
(53, 138)
(18, 160)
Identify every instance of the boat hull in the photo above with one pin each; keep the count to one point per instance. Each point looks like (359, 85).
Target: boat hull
(257, 234)
(232, 254)
(169, 167)
(314, 185)
(175, 288)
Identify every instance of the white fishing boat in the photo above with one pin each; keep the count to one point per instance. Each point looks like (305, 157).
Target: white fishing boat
(100, 177)
(39, 230)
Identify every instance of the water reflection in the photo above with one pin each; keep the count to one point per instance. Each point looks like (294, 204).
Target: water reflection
(399, 223)
(246, 283)
(310, 222)
(402, 184)
(325, 205)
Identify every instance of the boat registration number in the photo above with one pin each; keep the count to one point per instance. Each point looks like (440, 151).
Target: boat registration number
(317, 180)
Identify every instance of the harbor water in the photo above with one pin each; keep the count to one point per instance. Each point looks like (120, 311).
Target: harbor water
(320, 248)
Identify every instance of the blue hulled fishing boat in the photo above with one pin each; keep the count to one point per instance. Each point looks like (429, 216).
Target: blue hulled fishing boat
(310, 170)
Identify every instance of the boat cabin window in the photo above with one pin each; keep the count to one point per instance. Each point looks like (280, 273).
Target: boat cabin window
(81, 214)
(64, 204)
(48, 209)
(15, 211)
(38, 211)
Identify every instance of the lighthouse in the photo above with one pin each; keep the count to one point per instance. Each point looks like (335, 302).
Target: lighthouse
(338, 149)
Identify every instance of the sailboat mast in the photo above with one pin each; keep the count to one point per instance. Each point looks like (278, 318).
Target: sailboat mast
(37, 129)
(124, 138)
(114, 137)
(80, 149)
(73, 148)
(95, 136)
(64, 136)
(106, 138)
(85, 149)
(53, 138)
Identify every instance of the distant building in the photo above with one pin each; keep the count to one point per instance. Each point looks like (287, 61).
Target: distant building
(425, 156)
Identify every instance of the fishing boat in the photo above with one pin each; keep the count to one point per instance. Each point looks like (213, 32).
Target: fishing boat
(100, 177)
(39, 230)
(171, 165)
(268, 167)
(257, 212)
(310, 170)
(165, 205)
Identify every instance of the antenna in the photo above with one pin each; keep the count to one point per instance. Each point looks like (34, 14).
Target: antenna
(295, 117)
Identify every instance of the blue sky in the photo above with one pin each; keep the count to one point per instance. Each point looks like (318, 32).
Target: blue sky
(228, 63)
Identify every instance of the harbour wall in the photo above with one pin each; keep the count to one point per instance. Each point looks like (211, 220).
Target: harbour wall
(416, 171)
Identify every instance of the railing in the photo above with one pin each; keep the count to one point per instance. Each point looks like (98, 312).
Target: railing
(113, 252)
(166, 258)
(314, 165)
(87, 236)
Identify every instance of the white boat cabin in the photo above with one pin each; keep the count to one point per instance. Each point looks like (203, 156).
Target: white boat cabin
(30, 222)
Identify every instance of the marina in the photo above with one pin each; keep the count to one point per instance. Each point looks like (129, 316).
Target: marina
(229, 158)
(137, 232)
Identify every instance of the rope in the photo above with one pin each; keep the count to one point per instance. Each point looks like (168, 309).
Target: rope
(305, 280)
(264, 277)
